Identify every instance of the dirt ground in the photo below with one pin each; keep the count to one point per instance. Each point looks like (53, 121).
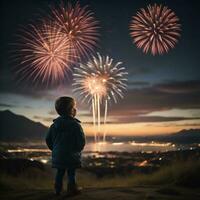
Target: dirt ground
(117, 193)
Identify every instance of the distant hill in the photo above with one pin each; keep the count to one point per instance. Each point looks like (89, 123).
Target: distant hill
(185, 136)
(15, 127)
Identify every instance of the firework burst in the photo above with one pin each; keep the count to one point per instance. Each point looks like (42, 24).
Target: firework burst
(79, 25)
(100, 76)
(98, 82)
(155, 29)
(44, 54)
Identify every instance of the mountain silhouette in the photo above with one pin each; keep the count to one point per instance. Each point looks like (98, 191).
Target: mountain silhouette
(15, 127)
(185, 136)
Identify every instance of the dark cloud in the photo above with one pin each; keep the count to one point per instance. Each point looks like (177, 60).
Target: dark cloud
(29, 107)
(46, 119)
(142, 101)
(137, 102)
(7, 105)
(13, 106)
(91, 122)
(37, 93)
(138, 83)
(139, 119)
(145, 119)
(158, 97)
(135, 71)
(186, 124)
(180, 87)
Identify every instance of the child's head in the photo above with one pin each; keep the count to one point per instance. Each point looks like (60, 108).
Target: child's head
(65, 106)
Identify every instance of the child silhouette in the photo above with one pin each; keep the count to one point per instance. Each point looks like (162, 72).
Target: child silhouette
(66, 139)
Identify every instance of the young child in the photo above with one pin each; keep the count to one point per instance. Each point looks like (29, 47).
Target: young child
(66, 140)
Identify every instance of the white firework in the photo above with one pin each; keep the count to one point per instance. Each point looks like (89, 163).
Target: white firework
(98, 82)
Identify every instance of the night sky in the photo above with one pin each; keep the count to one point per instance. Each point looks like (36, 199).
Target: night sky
(163, 93)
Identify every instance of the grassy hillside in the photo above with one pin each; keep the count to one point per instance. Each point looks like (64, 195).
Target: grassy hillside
(180, 173)
(179, 181)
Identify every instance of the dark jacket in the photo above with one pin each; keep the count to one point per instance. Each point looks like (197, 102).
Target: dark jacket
(66, 139)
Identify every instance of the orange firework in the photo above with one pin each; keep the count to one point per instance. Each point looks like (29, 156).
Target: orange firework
(44, 54)
(155, 29)
(79, 25)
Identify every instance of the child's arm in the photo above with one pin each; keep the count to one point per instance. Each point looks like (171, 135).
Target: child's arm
(80, 137)
(49, 140)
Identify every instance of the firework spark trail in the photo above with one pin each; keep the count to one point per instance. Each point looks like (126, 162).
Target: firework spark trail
(94, 119)
(99, 115)
(98, 82)
(44, 54)
(79, 26)
(155, 29)
(105, 120)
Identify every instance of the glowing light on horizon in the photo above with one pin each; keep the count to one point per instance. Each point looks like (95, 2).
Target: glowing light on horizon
(155, 29)
(117, 143)
(44, 161)
(143, 163)
(153, 144)
(79, 25)
(28, 150)
(98, 82)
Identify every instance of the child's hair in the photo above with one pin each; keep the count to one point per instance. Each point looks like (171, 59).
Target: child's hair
(63, 105)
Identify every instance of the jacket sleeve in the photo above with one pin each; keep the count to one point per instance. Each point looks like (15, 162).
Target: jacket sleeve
(49, 138)
(80, 137)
